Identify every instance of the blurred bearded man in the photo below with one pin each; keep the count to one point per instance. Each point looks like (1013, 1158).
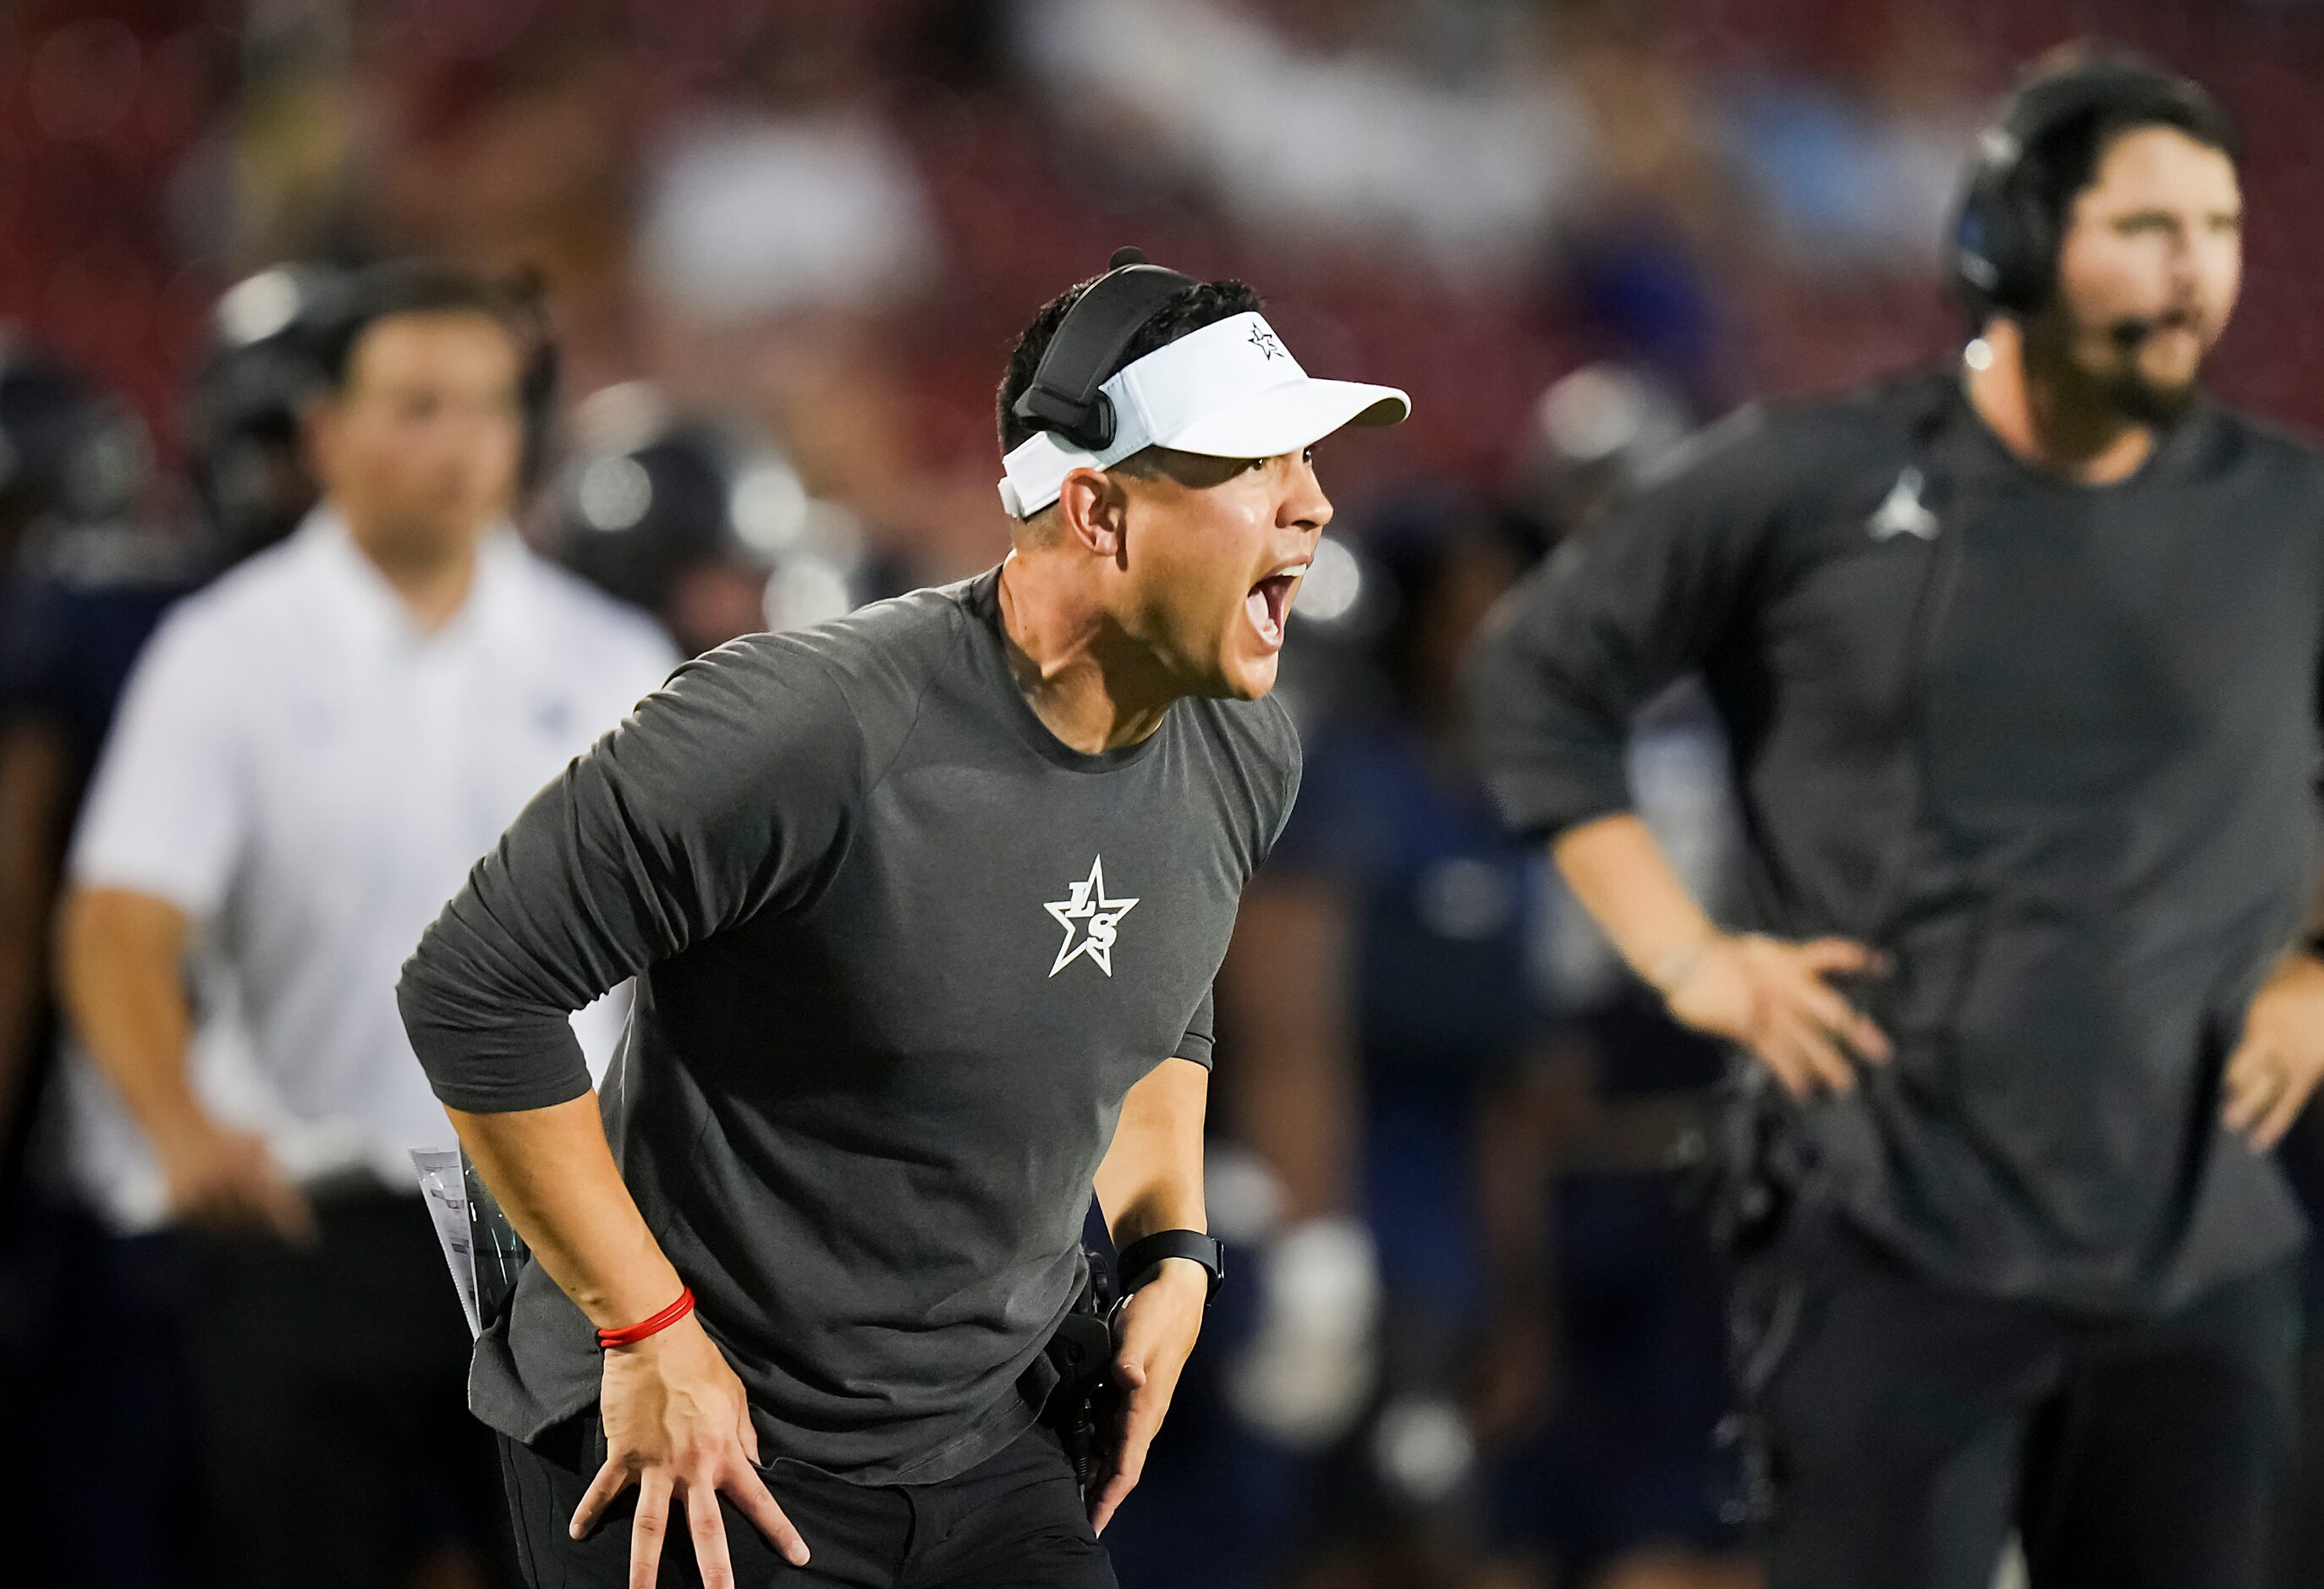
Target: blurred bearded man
(2018, 662)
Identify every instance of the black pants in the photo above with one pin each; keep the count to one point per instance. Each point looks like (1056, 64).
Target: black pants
(97, 1482)
(338, 1446)
(2299, 1510)
(1014, 1520)
(1913, 1427)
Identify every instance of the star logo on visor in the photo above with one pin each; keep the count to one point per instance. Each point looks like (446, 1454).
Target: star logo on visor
(1085, 903)
(1264, 340)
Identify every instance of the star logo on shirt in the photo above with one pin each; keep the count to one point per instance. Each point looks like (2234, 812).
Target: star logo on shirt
(1091, 920)
(1264, 340)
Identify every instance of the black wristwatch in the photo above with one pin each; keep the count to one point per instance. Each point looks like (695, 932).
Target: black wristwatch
(1142, 1261)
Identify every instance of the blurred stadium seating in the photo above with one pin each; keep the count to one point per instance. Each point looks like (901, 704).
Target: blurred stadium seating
(1750, 191)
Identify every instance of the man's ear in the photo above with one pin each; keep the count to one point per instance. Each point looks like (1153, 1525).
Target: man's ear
(1090, 508)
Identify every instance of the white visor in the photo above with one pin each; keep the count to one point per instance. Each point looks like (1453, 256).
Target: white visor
(1230, 390)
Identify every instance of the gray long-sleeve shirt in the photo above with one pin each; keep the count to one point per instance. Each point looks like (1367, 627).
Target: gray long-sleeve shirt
(900, 955)
(2049, 746)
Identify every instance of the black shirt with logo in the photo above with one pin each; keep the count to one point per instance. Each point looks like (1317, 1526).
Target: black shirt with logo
(899, 954)
(2051, 746)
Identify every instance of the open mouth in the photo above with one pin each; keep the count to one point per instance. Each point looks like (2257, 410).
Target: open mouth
(1268, 605)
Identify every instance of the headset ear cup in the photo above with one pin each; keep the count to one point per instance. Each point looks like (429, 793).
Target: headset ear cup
(2031, 274)
(1098, 434)
(1065, 394)
(1974, 271)
(2002, 246)
(1986, 247)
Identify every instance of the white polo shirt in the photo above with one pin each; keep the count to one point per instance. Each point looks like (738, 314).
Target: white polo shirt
(309, 774)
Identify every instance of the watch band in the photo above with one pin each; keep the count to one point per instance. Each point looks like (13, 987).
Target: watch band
(1142, 1261)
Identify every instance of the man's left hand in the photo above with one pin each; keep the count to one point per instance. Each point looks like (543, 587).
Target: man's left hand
(1153, 1334)
(2280, 1059)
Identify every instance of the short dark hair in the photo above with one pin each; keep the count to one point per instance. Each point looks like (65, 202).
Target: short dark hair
(423, 287)
(1205, 303)
(2067, 158)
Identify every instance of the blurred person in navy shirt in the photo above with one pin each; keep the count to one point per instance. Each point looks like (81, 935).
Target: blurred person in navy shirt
(1378, 985)
(1487, 1362)
(73, 468)
(83, 579)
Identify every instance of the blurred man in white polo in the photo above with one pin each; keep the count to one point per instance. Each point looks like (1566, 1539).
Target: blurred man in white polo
(309, 756)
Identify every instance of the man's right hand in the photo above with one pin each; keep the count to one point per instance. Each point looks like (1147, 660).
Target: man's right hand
(1771, 996)
(224, 1178)
(677, 1424)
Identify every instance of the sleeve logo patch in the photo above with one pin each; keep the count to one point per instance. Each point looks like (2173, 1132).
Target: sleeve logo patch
(1902, 512)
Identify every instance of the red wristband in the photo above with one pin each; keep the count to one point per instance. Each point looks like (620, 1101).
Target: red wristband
(630, 1335)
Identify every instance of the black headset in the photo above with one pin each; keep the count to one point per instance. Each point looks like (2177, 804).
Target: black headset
(1063, 394)
(2004, 243)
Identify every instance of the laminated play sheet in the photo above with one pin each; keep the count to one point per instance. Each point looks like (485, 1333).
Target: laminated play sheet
(445, 1187)
(481, 1248)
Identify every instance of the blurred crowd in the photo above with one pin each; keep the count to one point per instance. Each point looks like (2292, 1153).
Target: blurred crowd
(776, 251)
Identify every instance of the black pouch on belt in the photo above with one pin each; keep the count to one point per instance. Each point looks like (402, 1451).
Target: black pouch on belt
(1068, 1381)
(1751, 1175)
(1748, 1168)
